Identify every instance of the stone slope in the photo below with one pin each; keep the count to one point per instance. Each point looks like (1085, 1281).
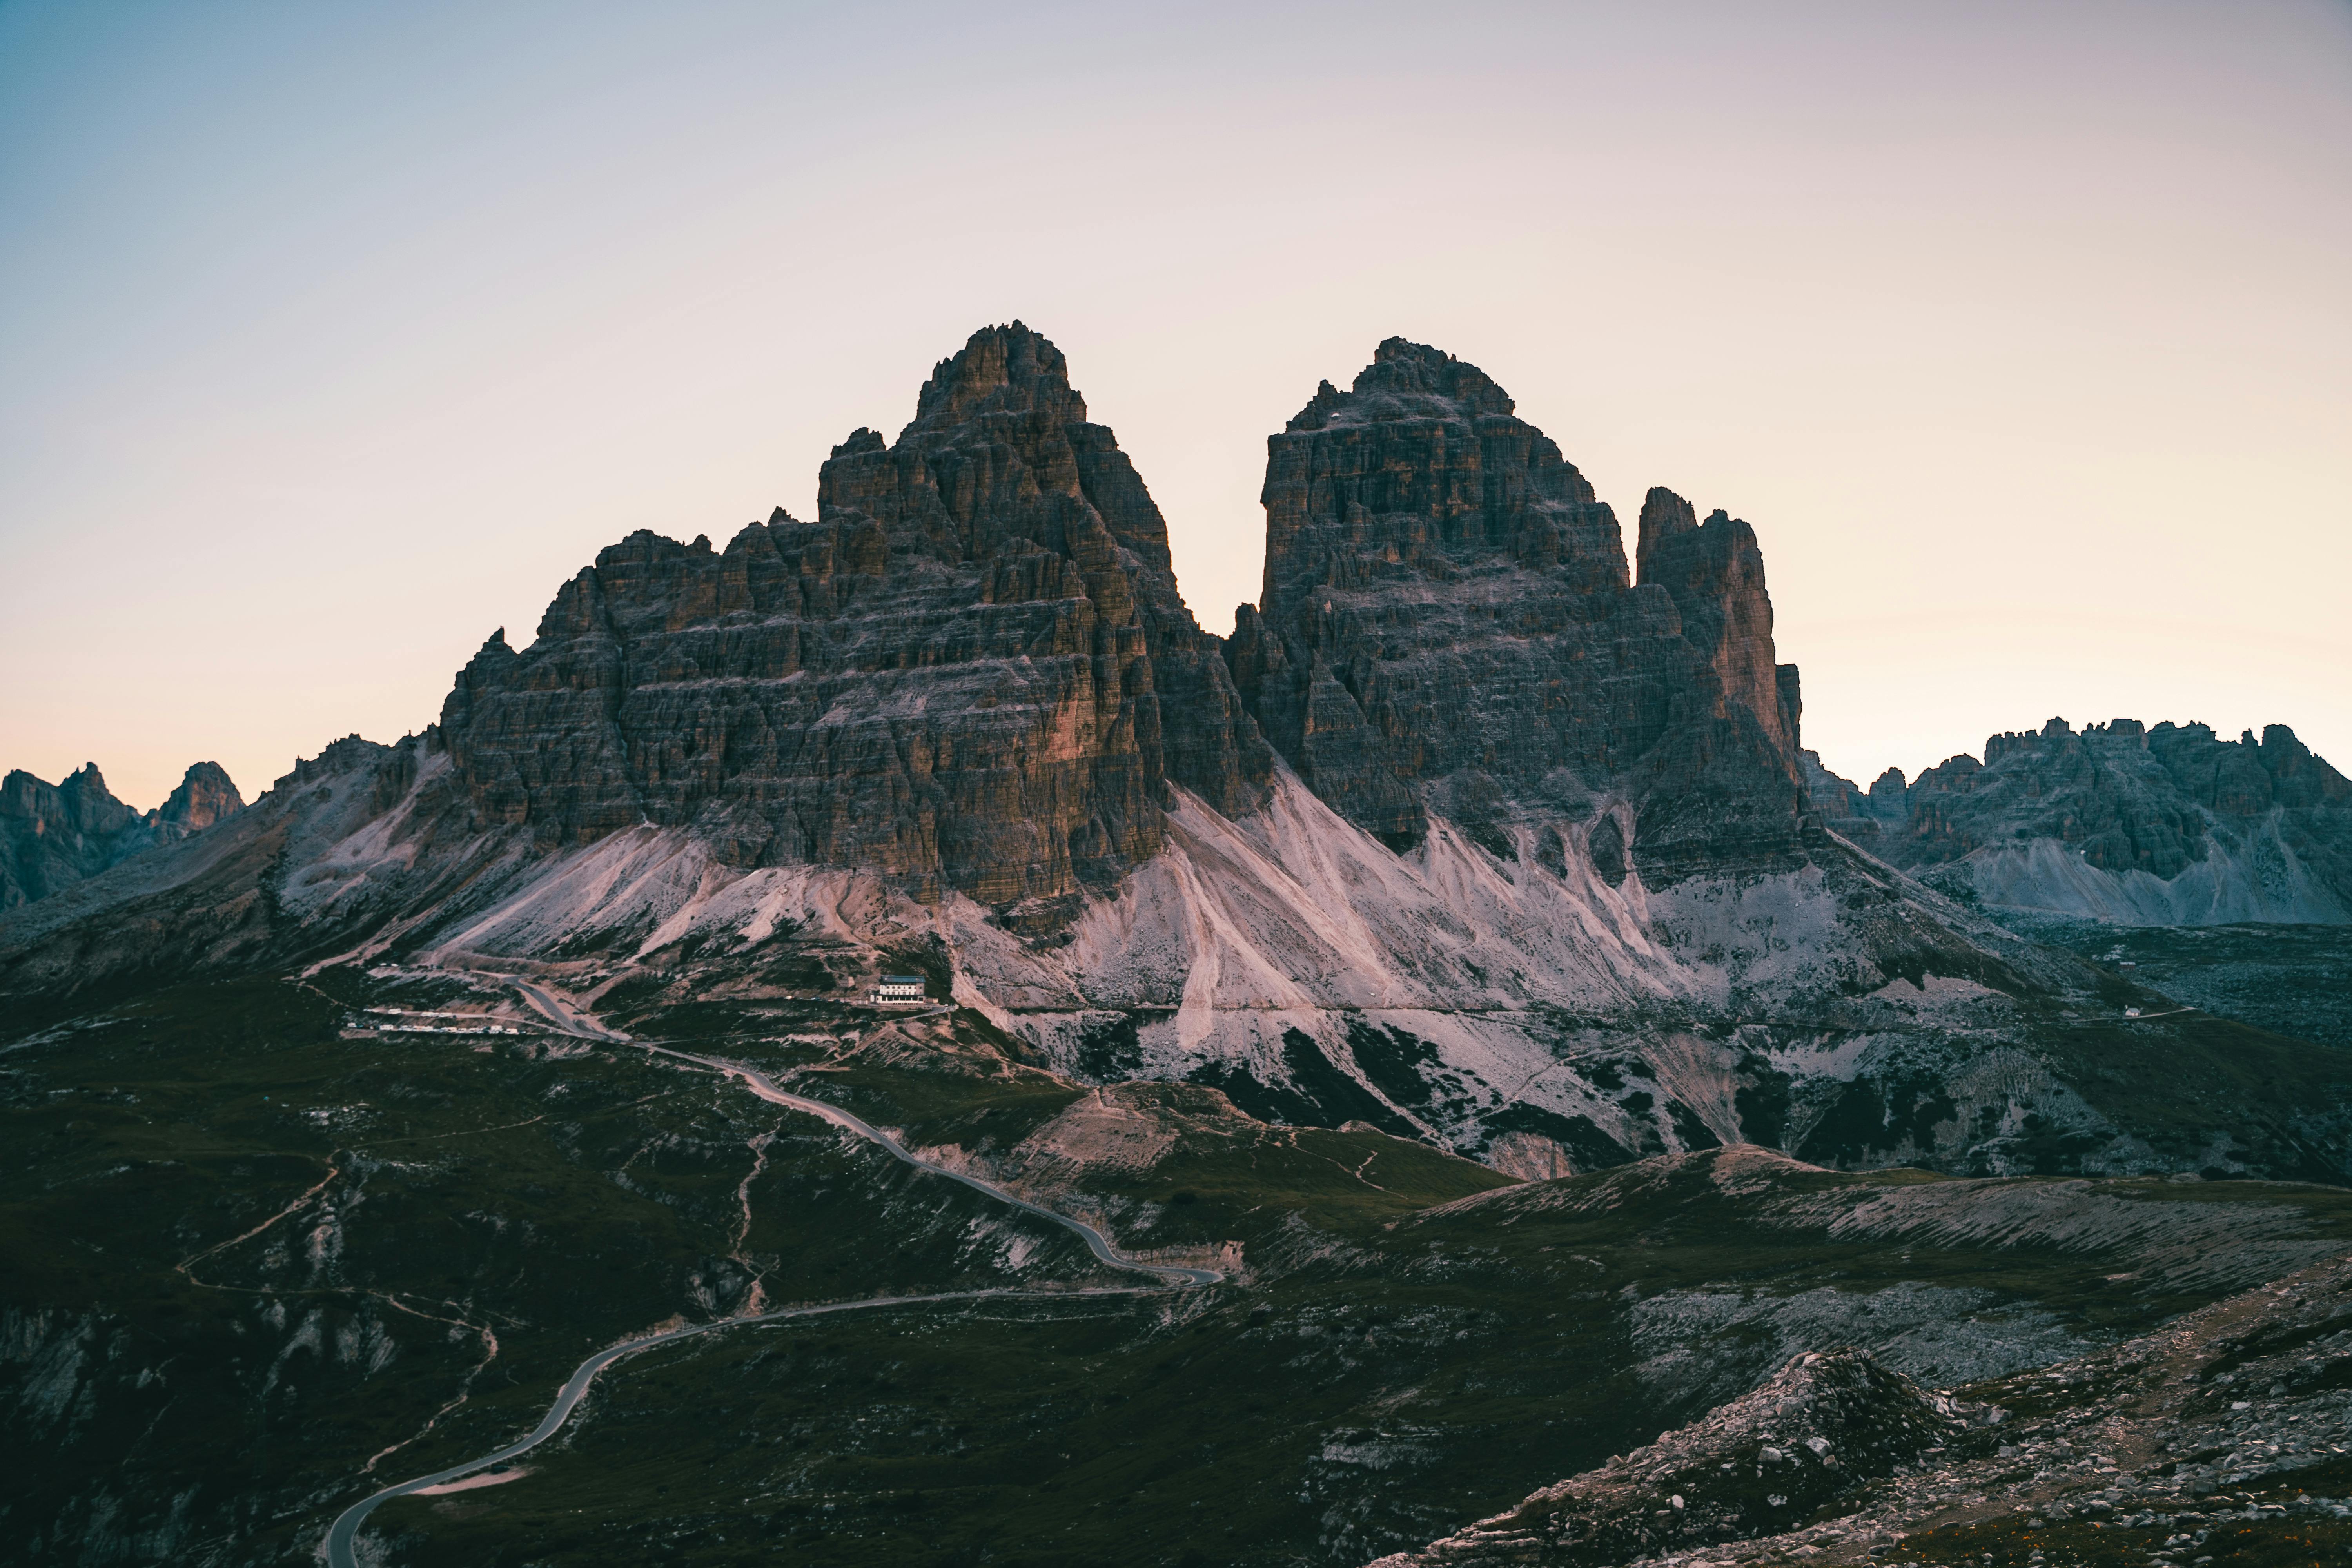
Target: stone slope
(1818, 1430)
(344, 843)
(1546, 1023)
(2168, 826)
(2224, 1432)
(52, 835)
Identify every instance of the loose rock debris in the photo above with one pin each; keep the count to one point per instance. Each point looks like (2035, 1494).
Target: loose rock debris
(2219, 1439)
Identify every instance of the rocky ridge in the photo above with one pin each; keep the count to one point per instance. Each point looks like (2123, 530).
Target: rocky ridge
(2222, 1434)
(52, 835)
(2121, 822)
(1818, 1429)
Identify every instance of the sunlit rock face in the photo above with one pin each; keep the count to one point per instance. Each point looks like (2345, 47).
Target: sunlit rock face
(973, 670)
(1448, 630)
(206, 795)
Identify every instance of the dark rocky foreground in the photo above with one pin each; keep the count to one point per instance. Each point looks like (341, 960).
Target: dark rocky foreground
(2218, 1439)
(1821, 1428)
(284, 1240)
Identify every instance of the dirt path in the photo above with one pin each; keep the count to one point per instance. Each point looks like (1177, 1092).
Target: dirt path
(342, 1534)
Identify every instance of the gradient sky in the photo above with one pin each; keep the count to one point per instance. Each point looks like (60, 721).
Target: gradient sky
(333, 336)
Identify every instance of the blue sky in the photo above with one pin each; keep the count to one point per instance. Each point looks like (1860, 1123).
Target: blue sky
(333, 337)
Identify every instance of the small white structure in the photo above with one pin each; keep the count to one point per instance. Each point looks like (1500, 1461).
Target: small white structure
(899, 989)
(2131, 1011)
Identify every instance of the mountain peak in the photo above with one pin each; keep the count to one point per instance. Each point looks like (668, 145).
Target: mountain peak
(206, 794)
(1664, 515)
(53, 836)
(973, 670)
(1423, 542)
(1005, 369)
(1406, 378)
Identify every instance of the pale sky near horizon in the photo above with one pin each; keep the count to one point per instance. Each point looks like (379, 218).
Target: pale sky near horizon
(333, 336)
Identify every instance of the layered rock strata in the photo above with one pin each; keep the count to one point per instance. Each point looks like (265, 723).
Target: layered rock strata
(2163, 826)
(1448, 630)
(973, 670)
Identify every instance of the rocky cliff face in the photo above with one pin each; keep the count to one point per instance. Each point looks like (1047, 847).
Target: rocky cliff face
(204, 796)
(973, 670)
(53, 836)
(2168, 826)
(1448, 628)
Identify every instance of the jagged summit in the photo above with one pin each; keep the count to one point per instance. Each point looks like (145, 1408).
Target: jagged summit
(1714, 572)
(1665, 515)
(1448, 626)
(973, 670)
(1001, 370)
(1406, 378)
(205, 794)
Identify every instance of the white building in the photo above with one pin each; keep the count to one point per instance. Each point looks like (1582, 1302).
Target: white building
(900, 988)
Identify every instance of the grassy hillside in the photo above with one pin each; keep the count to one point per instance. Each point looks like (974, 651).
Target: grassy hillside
(260, 1248)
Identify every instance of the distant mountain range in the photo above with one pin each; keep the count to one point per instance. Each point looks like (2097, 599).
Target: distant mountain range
(1473, 831)
(2169, 826)
(52, 835)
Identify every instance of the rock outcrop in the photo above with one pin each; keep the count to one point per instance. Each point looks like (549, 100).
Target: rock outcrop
(2219, 1432)
(1448, 628)
(53, 836)
(204, 796)
(1812, 1436)
(2168, 826)
(973, 670)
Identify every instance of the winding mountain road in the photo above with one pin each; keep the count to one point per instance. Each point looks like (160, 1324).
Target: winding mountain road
(343, 1533)
(760, 1084)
